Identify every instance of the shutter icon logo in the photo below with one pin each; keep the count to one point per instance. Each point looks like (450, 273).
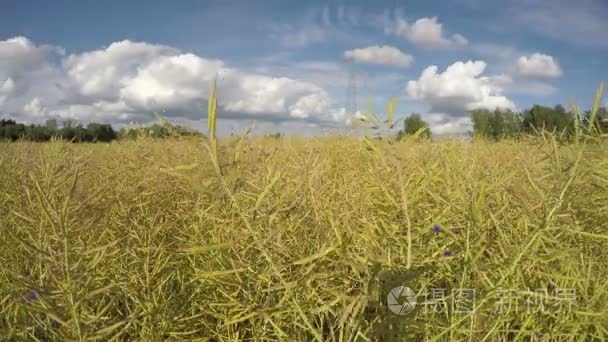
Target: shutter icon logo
(401, 300)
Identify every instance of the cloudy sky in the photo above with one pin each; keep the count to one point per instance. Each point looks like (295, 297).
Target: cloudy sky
(285, 65)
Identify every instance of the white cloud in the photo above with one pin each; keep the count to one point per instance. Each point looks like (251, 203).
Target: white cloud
(20, 61)
(459, 89)
(426, 32)
(101, 73)
(340, 115)
(6, 88)
(313, 104)
(504, 57)
(250, 93)
(19, 56)
(442, 124)
(171, 82)
(330, 76)
(131, 80)
(35, 108)
(383, 55)
(538, 65)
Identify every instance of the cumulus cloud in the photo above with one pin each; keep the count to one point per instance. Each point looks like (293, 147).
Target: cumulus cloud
(383, 55)
(173, 82)
(505, 57)
(538, 65)
(131, 80)
(21, 61)
(6, 88)
(19, 56)
(312, 104)
(444, 125)
(459, 89)
(253, 93)
(426, 32)
(102, 73)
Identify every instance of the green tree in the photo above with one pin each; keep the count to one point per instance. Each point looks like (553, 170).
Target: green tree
(14, 132)
(601, 119)
(185, 131)
(542, 118)
(51, 124)
(481, 123)
(498, 124)
(7, 122)
(93, 132)
(100, 132)
(73, 131)
(276, 135)
(38, 133)
(413, 124)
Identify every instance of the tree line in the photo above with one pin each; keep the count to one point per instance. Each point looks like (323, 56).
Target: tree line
(10, 130)
(500, 124)
(497, 124)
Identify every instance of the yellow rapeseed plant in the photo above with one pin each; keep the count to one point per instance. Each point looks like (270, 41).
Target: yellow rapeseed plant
(303, 239)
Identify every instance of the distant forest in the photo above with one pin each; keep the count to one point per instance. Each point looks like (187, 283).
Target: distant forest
(500, 124)
(94, 132)
(495, 125)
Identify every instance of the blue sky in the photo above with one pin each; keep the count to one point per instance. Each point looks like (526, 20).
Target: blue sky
(285, 64)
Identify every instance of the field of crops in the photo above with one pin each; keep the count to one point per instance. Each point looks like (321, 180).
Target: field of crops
(302, 239)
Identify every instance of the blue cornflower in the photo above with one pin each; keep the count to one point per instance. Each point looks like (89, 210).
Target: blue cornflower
(436, 228)
(32, 296)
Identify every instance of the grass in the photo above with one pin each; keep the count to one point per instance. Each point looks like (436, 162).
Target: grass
(299, 239)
